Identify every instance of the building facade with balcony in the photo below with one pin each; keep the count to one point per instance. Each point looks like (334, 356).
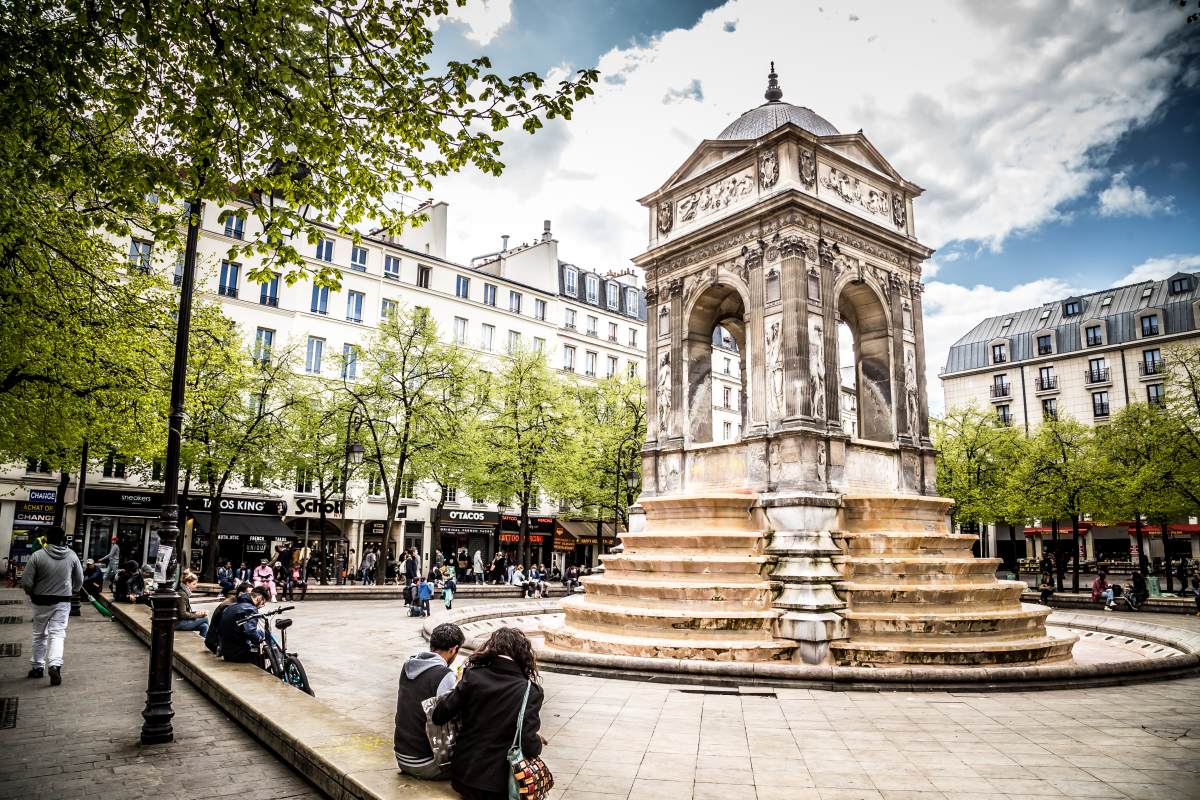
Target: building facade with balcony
(590, 323)
(1086, 357)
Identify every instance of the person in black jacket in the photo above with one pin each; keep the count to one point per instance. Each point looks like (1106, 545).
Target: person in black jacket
(424, 675)
(486, 702)
(239, 636)
(212, 639)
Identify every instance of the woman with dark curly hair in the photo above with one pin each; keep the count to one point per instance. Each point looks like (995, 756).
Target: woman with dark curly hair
(486, 702)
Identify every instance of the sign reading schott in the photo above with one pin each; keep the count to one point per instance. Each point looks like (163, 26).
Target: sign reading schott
(314, 506)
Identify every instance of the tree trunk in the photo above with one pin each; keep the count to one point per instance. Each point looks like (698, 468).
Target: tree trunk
(1075, 552)
(1058, 566)
(210, 550)
(523, 545)
(1141, 558)
(60, 499)
(1167, 555)
(436, 525)
(1012, 556)
(80, 519)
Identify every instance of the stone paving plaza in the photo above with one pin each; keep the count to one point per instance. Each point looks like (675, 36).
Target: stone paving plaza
(617, 739)
(80, 740)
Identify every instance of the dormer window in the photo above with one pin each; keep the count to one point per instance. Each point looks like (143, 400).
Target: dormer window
(999, 353)
(631, 301)
(569, 280)
(1093, 336)
(1045, 344)
(1150, 326)
(1180, 284)
(593, 288)
(613, 294)
(1072, 308)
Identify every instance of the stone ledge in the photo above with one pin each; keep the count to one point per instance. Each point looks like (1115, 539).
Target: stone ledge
(1163, 605)
(394, 592)
(340, 756)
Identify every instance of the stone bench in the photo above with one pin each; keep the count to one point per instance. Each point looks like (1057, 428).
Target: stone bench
(1165, 604)
(338, 754)
(394, 592)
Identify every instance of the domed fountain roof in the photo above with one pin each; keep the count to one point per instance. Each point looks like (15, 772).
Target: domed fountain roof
(758, 122)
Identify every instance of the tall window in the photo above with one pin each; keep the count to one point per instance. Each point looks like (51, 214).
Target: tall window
(179, 270)
(514, 341)
(1046, 378)
(235, 226)
(304, 481)
(610, 367)
(633, 368)
(229, 279)
(1045, 344)
(1096, 371)
(263, 339)
(569, 358)
(569, 318)
(631, 301)
(423, 274)
(489, 294)
(727, 430)
(1151, 361)
(727, 367)
(391, 267)
(349, 361)
(539, 344)
(570, 276)
(462, 286)
(312, 357)
(726, 397)
(374, 483)
(1094, 339)
(612, 331)
(487, 341)
(1000, 386)
(1050, 408)
(539, 308)
(114, 465)
(593, 288)
(1155, 394)
(451, 494)
(1100, 404)
(407, 486)
(592, 322)
(36, 466)
(139, 254)
(268, 292)
(358, 259)
(633, 338)
(325, 250)
(589, 364)
(354, 306)
(614, 294)
(460, 330)
(998, 354)
(1004, 414)
(388, 309)
(320, 299)
(1150, 326)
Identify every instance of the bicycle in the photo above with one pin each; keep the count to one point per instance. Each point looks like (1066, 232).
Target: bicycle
(276, 659)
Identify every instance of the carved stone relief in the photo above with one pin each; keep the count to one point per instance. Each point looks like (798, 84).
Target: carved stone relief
(768, 168)
(808, 169)
(716, 196)
(666, 218)
(855, 192)
(816, 367)
(771, 290)
(664, 320)
(821, 471)
(774, 352)
(911, 403)
(899, 214)
(663, 393)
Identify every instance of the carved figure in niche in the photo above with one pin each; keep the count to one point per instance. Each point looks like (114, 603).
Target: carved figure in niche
(876, 202)
(687, 207)
(715, 196)
(827, 252)
(808, 169)
(768, 169)
(911, 403)
(664, 320)
(847, 187)
(664, 218)
(775, 369)
(821, 462)
(816, 368)
(899, 213)
(663, 393)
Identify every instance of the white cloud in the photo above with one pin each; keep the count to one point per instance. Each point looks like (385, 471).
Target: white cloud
(483, 19)
(1120, 199)
(1155, 269)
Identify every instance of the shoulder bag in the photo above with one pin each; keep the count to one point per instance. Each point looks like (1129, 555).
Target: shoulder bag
(528, 778)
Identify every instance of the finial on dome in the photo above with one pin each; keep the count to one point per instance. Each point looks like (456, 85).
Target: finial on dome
(774, 93)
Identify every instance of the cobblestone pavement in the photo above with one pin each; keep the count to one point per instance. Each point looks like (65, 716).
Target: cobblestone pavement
(80, 740)
(622, 739)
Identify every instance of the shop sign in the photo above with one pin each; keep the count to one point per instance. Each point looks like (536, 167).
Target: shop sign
(33, 514)
(43, 495)
(536, 524)
(515, 538)
(122, 498)
(469, 517)
(315, 506)
(564, 544)
(263, 506)
(257, 544)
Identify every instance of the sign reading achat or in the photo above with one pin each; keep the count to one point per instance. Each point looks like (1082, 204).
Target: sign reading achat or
(28, 514)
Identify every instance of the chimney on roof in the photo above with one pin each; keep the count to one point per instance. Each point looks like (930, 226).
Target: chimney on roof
(504, 241)
(546, 235)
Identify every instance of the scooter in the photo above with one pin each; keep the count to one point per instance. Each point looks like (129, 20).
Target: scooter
(276, 659)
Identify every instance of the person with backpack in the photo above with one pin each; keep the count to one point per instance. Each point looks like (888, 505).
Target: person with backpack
(53, 575)
(448, 589)
(424, 595)
(212, 639)
(499, 685)
(240, 636)
(423, 676)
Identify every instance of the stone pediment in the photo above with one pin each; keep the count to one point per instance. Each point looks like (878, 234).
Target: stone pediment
(857, 148)
(703, 159)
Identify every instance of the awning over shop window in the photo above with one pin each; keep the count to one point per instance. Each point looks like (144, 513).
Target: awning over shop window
(585, 530)
(245, 525)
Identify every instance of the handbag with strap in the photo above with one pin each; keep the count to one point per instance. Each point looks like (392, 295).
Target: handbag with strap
(528, 778)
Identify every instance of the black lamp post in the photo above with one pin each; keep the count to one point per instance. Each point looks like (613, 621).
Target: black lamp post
(156, 727)
(354, 456)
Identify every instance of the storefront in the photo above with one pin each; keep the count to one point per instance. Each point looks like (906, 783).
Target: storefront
(582, 533)
(250, 529)
(541, 537)
(328, 543)
(132, 515)
(467, 529)
(29, 518)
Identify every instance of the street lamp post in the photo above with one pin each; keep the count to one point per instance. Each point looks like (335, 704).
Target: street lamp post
(156, 727)
(354, 455)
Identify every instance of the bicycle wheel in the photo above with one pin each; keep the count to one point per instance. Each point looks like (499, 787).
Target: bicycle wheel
(293, 674)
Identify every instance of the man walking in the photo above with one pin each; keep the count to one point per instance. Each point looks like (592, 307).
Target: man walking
(52, 577)
(424, 675)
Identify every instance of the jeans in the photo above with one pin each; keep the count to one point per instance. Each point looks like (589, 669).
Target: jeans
(1106, 596)
(49, 634)
(200, 625)
(448, 596)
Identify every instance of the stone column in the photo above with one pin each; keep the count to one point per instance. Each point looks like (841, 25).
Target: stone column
(754, 419)
(675, 290)
(827, 252)
(652, 356)
(793, 294)
(896, 325)
(916, 287)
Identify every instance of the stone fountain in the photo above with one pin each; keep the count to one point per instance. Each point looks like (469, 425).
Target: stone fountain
(816, 536)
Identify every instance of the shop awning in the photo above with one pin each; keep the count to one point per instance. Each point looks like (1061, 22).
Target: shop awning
(585, 530)
(246, 525)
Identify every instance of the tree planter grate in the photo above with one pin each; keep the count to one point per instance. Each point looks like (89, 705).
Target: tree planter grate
(11, 620)
(8, 712)
(10, 650)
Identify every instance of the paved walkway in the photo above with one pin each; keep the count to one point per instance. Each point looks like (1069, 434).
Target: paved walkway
(81, 739)
(622, 739)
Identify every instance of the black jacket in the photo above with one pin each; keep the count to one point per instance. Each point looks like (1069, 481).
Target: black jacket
(419, 680)
(239, 637)
(487, 701)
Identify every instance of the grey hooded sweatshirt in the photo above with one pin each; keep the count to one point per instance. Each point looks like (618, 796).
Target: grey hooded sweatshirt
(424, 675)
(52, 575)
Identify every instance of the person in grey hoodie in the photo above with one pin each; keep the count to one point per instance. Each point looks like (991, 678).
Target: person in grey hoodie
(53, 575)
(424, 675)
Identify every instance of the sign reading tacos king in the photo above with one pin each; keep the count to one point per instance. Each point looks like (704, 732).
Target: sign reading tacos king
(265, 506)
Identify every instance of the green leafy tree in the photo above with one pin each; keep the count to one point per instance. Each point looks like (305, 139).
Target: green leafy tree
(975, 456)
(455, 457)
(404, 404)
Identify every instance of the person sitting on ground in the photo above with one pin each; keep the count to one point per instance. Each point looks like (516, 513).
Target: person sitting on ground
(93, 579)
(242, 573)
(424, 675)
(241, 636)
(264, 576)
(189, 620)
(212, 639)
(1138, 592)
(517, 577)
(225, 576)
(556, 574)
(487, 701)
(1101, 593)
(424, 595)
(121, 586)
(1046, 588)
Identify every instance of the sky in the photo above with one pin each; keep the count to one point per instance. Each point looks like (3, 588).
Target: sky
(1056, 141)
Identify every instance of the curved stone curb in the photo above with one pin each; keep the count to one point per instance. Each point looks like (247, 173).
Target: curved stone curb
(978, 679)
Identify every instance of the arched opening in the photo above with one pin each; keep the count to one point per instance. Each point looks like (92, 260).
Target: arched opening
(864, 363)
(716, 360)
